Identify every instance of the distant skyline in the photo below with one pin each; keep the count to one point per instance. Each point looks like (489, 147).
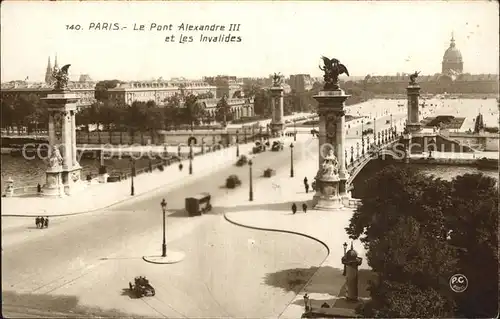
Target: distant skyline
(378, 38)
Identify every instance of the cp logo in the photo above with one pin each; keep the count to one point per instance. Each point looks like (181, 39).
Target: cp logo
(458, 283)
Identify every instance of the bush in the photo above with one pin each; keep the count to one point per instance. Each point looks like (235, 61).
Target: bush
(160, 168)
(233, 181)
(242, 160)
(269, 172)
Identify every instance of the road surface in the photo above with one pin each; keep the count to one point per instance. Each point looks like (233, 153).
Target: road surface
(82, 265)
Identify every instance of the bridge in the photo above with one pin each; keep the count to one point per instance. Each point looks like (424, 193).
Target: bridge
(359, 159)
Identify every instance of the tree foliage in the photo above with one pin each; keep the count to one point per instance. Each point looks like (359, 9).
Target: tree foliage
(223, 112)
(418, 231)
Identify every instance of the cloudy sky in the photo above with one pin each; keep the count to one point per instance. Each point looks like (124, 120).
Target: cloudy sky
(369, 37)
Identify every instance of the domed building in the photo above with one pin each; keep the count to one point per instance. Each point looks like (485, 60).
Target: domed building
(453, 64)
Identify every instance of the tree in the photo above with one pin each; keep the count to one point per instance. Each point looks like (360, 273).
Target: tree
(223, 110)
(95, 118)
(262, 102)
(473, 220)
(171, 111)
(419, 231)
(109, 115)
(102, 87)
(83, 117)
(8, 113)
(194, 111)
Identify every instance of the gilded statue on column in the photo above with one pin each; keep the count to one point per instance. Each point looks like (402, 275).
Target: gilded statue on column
(413, 78)
(277, 79)
(332, 68)
(61, 77)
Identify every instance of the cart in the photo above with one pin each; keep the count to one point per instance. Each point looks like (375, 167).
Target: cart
(141, 287)
(198, 204)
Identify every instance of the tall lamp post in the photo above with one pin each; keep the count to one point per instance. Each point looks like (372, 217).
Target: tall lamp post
(295, 130)
(250, 193)
(132, 189)
(164, 245)
(362, 127)
(345, 251)
(291, 160)
(190, 159)
(237, 144)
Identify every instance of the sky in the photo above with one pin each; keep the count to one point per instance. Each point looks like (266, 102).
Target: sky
(378, 38)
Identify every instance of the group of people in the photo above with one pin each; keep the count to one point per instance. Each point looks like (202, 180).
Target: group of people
(42, 222)
(294, 208)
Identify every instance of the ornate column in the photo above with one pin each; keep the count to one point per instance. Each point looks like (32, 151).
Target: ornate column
(63, 175)
(332, 174)
(413, 93)
(277, 105)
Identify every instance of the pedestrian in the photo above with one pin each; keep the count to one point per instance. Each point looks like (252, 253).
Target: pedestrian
(39, 188)
(37, 222)
(294, 208)
(305, 180)
(306, 302)
(42, 222)
(306, 185)
(180, 167)
(46, 221)
(304, 207)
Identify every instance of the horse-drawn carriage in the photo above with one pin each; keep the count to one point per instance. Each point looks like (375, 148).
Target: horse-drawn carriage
(141, 287)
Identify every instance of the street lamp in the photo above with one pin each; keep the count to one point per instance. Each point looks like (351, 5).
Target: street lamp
(291, 160)
(294, 130)
(164, 245)
(191, 159)
(345, 251)
(250, 193)
(245, 134)
(391, 121)
(362, 127)
(237, 144)
(362, 145)
(132, 190)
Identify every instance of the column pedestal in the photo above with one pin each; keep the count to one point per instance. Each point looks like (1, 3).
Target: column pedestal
(331, 192)
(327, 195)
(413, 123)
(277, 124)
(63, 177)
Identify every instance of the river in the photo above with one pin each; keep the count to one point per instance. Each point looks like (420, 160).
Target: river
(26, 172)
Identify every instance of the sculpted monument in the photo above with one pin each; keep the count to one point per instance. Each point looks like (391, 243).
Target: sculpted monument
(63, 175)
(277, 79)
(332, 175)
(332, 68)
(413, 78)
(277, 123)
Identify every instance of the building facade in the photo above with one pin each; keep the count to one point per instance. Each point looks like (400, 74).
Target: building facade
(15, 89)
(239, 107)
(158, 91)
(300, 82)
(452, 64)
(225, 85)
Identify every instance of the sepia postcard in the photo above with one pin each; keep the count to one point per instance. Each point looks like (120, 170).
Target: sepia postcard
(254, 159)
